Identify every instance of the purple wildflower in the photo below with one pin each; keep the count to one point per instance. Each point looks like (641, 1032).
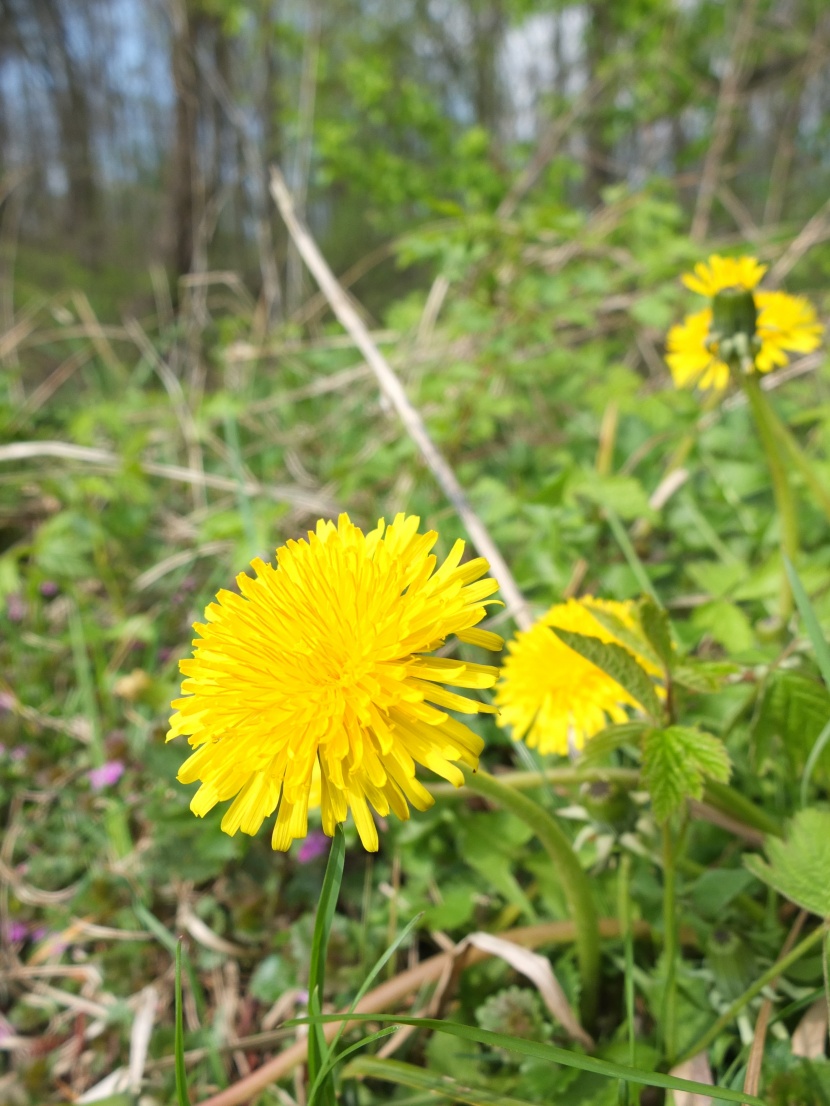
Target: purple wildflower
(106, 775)
(313, 846)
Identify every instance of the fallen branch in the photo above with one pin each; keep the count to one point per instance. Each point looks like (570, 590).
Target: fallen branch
(394, 391)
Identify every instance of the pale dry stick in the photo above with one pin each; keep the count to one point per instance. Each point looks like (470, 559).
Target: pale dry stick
(756, 1053)
(316, 304)
(739, 212)
(392, 388)
(307, 501)
(728, 98)
(389, 994)
(432, 309)
(97, 335)
(50, 385)
(184, 416)
(817, 229)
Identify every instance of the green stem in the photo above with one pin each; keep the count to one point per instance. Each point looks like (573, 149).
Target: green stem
(778, 968)
(669, 944)
(796, 454)
(768, 432)
(727, 799)
(575, 883)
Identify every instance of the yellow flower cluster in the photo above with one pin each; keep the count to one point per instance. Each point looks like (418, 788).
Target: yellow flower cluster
(314, 687)
(785, 324)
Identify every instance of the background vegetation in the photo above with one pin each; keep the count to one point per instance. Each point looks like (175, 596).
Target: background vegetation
(510, 189)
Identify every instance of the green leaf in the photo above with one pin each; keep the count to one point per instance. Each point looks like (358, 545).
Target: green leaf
(676, 761)
(608, 740)
(552, 1054)
(630, 638)
(794, 708)
(617, 663)
(799, 865)
(657, 629)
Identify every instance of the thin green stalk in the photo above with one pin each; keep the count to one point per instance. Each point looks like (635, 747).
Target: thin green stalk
(732, 802)
(784, 500)
(627, 935)
(670, 948)
(575, 883)
(778, 968)
(796, 455)
(117, 828)
(630, 553)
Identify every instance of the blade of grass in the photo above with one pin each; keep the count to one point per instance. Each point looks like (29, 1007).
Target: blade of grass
(332, 1058)
(317, 1048)
(554, 1055)
(811, 623)
(178, 1044)
(116, 824)
(812, 761)
(408, 1075)
(630, 553)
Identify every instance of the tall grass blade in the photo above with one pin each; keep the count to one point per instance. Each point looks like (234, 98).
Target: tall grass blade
(317, 1048)
(178, 1045)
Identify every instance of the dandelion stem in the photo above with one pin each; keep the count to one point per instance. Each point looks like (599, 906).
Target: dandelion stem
(765, 421)
(575, 882)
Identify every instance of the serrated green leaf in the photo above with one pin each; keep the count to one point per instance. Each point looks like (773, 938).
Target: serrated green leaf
(657, 630)
(799, 865)
(630, 638)
(794, 709)
(616, 662)
(676, 761)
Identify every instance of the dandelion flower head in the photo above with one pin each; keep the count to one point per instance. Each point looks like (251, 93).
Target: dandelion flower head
(323, 661)
(785, 324)
(552, 697)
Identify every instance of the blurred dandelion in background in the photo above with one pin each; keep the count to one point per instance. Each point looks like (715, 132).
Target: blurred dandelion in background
(321, 660)
(773, 324)
(551, 697)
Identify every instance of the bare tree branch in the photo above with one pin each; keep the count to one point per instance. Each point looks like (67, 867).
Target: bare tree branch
(392, 388)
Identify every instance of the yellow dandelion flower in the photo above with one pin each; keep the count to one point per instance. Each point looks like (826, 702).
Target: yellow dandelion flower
(692, 358)
(322, 660)
(552, 697)
(719, 273)
(785, 323)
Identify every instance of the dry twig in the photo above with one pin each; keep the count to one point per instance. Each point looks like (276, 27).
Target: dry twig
(393, 390)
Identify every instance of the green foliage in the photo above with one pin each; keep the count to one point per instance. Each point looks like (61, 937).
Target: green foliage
(676, 762)
(799, 865)
(619, 664)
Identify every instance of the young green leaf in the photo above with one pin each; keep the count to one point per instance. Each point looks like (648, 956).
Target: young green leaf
(657, 629)
(617, 663)
(799, 865)
(676, 761)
